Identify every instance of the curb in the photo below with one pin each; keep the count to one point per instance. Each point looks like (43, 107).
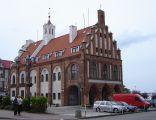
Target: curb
(98, 116)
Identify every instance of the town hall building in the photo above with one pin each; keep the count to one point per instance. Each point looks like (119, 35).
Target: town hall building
(73, 69)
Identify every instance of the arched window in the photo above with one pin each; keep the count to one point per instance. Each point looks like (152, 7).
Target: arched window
(93, 70)
(49, 30)
(73, 72)
(13, 79)
(42, 78)
(22, 78)
(115, 72)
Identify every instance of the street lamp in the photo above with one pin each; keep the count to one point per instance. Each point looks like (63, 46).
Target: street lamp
(28, 82)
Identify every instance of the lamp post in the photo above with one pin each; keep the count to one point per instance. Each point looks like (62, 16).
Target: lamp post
(28, 82)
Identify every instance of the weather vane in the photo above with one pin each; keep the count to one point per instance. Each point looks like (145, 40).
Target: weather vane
(49, 14)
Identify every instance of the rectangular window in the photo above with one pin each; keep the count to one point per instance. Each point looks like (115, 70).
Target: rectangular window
(42, 94)
(13, 93)
(59, 96)
(54, 76)
(54, 96)
(59, 75)
(22, 93)
(35, 93)
(75, 49)
(58, 54)
(46, 77)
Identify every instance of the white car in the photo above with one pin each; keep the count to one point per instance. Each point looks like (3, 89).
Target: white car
(109, 106)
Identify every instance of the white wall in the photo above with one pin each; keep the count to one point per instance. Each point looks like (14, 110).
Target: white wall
(56, 86)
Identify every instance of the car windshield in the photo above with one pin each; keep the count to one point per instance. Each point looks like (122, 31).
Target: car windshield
(141, 98)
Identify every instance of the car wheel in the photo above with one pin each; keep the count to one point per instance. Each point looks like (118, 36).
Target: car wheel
(115, 110)
(98, 110)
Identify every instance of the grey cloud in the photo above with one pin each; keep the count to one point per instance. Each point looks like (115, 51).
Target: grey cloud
(128, 39)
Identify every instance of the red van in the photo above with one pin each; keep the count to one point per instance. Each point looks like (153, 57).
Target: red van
(132, 99)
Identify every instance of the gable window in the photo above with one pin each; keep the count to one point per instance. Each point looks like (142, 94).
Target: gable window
(22, 78)
(105, 72)
(73, 72)
(93, 70)
(115, 72)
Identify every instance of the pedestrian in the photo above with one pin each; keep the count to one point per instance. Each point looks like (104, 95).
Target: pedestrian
(15, 105)
(19, 100)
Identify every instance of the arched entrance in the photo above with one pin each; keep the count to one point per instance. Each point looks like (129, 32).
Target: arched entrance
(93, 92)
(74, 95)
(117, 89)
(105, 92)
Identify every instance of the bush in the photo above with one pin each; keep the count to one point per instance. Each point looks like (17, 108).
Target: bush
(8, 107)
(25, 104)
(38, 104)
(6, 101)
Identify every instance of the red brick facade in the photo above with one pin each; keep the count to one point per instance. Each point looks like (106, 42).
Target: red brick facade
(97, 72)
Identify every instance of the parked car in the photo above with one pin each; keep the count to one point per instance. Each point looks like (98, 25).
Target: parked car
(152, 103)
(108, 106)
(130, 108)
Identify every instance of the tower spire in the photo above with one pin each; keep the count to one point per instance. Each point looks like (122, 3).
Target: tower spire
(49, 22)
(49, 14)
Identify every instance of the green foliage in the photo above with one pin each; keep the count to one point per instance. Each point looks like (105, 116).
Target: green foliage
(125, 89)
(38, 104)
(6, 101)
(25, 104)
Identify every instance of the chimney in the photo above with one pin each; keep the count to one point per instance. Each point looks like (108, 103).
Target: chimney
(101, 17)
(72, 33)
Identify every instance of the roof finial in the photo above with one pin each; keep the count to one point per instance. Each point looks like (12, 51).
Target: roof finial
(49, 14)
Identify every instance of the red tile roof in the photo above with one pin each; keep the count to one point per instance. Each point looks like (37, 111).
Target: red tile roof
(6, 63)
(57, 44)
(29, 50)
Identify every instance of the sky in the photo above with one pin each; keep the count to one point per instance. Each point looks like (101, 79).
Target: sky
(132, 23)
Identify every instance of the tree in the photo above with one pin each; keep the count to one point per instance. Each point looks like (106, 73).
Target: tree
(125, 89)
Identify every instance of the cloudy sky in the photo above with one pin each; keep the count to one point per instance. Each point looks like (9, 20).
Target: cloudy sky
(131, 21)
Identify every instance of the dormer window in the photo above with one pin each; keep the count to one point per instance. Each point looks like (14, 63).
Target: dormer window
(46, 56)
(58, 54)
(75, 49)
